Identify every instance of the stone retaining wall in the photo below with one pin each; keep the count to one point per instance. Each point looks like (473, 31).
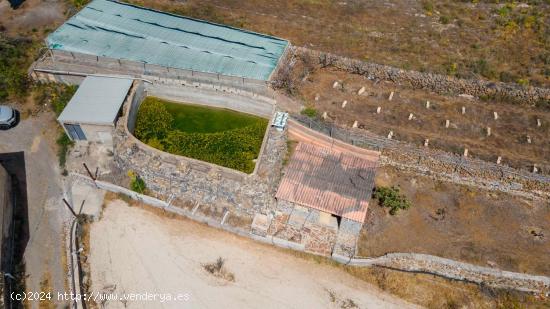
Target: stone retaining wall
(439, 164)
(409, 262)
(447, 268)
(171, 176)
(440, 84)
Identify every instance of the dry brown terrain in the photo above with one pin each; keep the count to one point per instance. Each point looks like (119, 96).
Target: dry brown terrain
(171, 251)
(509, 133)
(135, 251)
(463, 38)
(461, 223)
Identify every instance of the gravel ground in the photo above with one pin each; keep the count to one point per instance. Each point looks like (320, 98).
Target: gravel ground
(137, 251)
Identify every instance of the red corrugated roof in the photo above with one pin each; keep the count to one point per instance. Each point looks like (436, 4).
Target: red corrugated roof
(329, 180)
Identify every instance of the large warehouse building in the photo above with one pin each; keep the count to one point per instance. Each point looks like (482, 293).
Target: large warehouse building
(116, 37)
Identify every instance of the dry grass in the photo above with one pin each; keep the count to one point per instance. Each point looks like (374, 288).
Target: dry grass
(239, 221)
(46, 288)
(461, 223)
(290, 147)
(508, 133)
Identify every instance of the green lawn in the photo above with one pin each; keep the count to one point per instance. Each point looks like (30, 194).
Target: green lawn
(201, 119)
(220, 136)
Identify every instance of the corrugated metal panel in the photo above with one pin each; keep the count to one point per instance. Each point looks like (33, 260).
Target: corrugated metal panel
(329, 180)
(122, 31)
(97, 101)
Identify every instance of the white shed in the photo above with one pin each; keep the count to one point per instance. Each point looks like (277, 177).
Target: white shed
(92, 112)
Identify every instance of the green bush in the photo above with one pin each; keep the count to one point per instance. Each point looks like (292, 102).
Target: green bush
(309, 111)
(78, 4)
(136, 183)
(64, 143)
(14, 60)
(57, 95)
(153, 121)
(234, 148)
(392, 199)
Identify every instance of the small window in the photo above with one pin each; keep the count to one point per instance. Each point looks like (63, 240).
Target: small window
(75, 132)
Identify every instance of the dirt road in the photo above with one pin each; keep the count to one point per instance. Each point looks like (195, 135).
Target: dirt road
(45, 246)
(136, 251)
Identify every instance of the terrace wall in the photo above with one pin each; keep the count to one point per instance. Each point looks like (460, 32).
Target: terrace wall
(433, 82)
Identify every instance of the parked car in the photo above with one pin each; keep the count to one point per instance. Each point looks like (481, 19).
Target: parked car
(9, 117)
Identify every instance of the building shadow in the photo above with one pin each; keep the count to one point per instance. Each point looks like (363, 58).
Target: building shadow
(15, 4)
(12, 259)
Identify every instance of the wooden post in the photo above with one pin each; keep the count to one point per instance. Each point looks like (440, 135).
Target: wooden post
(88, 170)
(70, 208)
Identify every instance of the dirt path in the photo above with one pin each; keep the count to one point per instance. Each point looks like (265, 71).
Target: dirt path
(138, 251)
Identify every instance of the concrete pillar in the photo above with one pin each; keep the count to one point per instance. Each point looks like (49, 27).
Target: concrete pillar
(391, 96)
(355, 124)
(426, 142)
(361, 91)
(528, 139)
(495, 115)
(335, 84)
(427, 104)
(465, 152)
(499, 159)
(463, 110)
(390, 135)
(344, 103)
(317, 97)
(488, 131)
(539, 122)
(378, 109)
(411, 116)
(324, 115)
(447, 123)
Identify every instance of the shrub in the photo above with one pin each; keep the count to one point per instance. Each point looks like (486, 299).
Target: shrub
(136, 183)
(309, 111)
(218, 269)
(233, 148)
(153, 121)
(14, 60)
(428, 6)
(524, 82)
(444, 19)
(64, 143)
(483, 68)
(79, 3)
(392, 199)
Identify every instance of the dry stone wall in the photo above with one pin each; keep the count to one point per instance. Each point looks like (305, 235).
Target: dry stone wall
(170, 176)
(433, 82)
(456, 270)
(439, 164)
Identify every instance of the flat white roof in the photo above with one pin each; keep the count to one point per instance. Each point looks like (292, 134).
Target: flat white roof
(97, 101)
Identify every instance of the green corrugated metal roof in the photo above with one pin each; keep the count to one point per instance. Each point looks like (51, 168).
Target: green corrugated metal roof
(123, 31)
